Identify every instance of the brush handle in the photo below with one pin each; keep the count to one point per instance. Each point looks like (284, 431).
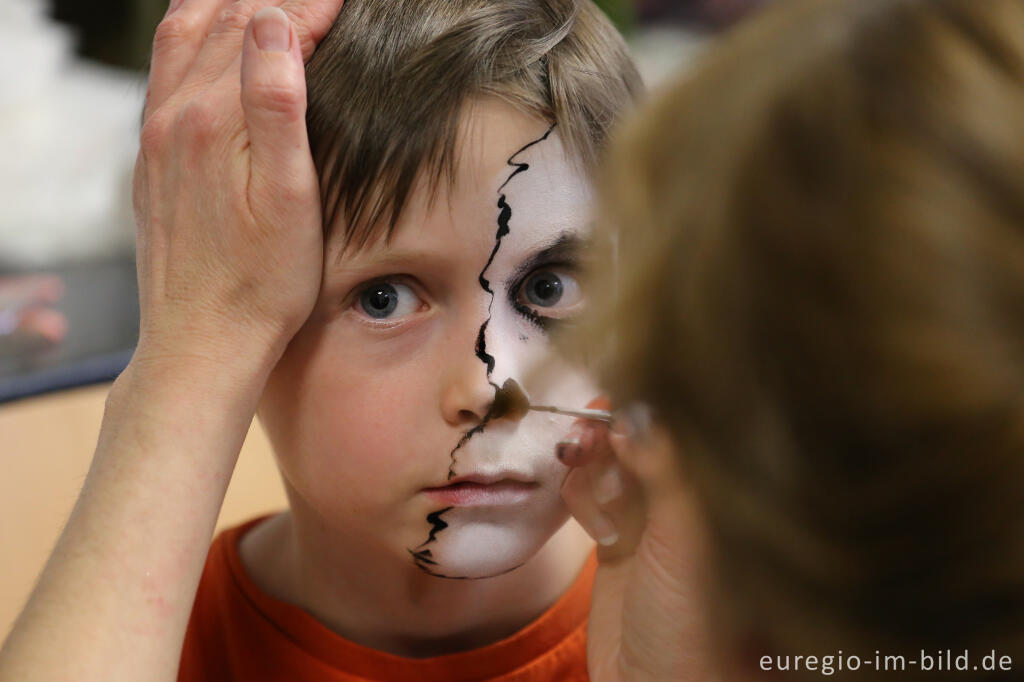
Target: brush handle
(596, 415)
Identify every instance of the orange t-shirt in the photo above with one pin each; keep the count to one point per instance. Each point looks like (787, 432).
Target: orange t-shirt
(237, 632)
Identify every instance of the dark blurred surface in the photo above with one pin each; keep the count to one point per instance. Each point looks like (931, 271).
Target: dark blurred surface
(115, 32)
(120, 32)
(712, 14)
(101, 304)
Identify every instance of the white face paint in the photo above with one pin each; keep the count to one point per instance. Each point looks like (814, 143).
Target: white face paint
(375, 411)
(542, 210)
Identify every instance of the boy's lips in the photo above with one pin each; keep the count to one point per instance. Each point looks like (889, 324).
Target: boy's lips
(483, 490)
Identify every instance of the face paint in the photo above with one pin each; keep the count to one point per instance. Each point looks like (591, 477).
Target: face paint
(423, 556)
(424, 561)
(370, 399)
(509, 401)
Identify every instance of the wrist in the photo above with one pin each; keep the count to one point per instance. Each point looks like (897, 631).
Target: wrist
(192, 379)
(224, 361)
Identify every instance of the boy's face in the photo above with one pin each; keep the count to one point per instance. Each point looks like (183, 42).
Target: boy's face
(375, 410)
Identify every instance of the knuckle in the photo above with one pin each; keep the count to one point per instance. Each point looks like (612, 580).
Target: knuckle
(299, 195)
(283, 98)
(284, 196)
(156, 132)
(198, 120)
(174, 30)
(234, 18)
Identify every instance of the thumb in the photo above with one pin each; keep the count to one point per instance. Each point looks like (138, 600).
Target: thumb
(274, 102)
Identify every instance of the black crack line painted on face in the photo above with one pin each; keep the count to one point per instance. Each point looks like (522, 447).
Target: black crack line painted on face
(423, 557)
(504, 216)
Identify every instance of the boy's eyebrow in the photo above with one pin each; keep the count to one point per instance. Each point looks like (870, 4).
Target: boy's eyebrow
(394, 257)
(565, 248)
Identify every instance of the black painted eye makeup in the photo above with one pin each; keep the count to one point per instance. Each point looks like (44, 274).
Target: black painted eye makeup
(545, 288)
(548, 295)
(422, 555)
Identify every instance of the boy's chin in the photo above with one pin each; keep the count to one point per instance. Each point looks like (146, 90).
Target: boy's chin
(476, 549)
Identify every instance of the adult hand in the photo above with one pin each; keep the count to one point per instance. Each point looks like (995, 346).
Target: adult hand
(225, 192)
(230, 260)
(645, 617)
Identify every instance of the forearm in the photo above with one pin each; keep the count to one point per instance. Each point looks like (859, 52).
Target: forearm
(115, 596)
(230, 251)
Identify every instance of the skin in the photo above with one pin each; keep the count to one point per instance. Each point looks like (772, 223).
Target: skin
(223, 144)
(649, 619)
(375, 408)
(230, 259)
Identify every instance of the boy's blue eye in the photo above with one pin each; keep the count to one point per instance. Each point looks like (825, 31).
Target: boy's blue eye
(383, 300)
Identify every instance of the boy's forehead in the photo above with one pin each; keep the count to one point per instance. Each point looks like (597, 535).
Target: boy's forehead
(492, 132)
(549, 196)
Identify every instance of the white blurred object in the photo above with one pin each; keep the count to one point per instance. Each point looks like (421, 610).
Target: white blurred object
(69, 135)
(662, 52)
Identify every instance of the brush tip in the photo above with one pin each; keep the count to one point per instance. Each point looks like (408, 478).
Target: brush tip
(509, 401)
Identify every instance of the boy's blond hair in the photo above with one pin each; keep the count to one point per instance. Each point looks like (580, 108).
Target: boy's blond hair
(388, 83)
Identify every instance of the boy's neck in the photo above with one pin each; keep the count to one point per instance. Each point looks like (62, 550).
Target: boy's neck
(396, 608)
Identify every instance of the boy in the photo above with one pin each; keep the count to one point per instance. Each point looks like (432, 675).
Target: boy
(461, 130)
(452, 141)
(425, 537)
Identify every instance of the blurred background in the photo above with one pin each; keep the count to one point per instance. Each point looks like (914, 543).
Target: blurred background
(73, 76)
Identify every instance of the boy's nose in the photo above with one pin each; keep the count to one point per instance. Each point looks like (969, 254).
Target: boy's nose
(468, 396)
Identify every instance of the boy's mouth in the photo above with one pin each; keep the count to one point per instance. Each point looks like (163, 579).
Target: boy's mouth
(484, 490)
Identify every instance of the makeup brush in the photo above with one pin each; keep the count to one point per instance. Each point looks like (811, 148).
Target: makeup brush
(581, 413)
(511, 401)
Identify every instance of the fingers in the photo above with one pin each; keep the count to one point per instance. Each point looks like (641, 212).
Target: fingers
(176, 43)
(273, 94)
(609, 505)
(576, 492)
(602, 495)
(221, 45)
(202, 44)
(312, 20)
(576, 448)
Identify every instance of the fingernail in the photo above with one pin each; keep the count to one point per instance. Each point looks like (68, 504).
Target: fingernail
(272, 30)
(608, 486)
(604, 531)
(566, 448)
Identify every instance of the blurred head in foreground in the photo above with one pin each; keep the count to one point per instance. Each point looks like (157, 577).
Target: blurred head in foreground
(821, 242)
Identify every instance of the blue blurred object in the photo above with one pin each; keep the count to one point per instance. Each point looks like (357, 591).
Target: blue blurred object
(101, 305)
